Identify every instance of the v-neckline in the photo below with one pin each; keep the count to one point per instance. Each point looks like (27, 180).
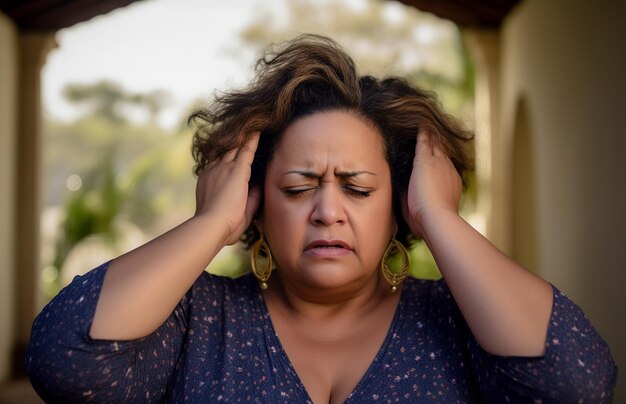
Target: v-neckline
(291, 370)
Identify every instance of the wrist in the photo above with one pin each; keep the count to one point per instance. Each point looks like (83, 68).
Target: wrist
(433, 219)
(211, 227)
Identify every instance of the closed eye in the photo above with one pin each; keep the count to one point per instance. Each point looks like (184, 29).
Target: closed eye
(360, 193)
(297, 191)
(352, 190)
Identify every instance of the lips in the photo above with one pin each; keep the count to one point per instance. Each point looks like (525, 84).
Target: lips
(327, 248)
(327, 244)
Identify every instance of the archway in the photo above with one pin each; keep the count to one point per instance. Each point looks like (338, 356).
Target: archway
(524, 194)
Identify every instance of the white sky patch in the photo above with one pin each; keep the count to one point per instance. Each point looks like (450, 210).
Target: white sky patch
(181, 46)
(394, 12)
(189, 48)
(426, 34)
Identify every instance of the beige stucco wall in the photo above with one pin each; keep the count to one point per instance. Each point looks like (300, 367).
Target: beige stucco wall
(565, 60)
(8, 118)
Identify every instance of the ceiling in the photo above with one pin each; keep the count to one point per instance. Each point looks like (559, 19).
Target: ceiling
(52, 15)
(467, 13)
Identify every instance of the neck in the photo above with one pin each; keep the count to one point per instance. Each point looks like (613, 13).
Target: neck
(303, 302)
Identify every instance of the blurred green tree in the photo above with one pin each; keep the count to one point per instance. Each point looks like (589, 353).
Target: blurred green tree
(108, 100)
(124, 173)
(91, 209)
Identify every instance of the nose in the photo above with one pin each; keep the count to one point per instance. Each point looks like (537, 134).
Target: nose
(328, 207)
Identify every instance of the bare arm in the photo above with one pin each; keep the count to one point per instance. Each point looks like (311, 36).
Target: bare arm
(142, 287)
(506, 307)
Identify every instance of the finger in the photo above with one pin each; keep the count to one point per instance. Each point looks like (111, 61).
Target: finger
(408, 219)
(205, 172)
(253, 202)
(230, 155)
(424, 146)
(438, 150)
(429, 145)
(210, 165)
(246, 152)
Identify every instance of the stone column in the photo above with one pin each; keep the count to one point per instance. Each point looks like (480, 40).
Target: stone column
(32, 49)
(8, 130)
(492, 158)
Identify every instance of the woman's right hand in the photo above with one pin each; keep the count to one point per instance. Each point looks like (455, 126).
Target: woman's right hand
(222, 191)
(143, 286)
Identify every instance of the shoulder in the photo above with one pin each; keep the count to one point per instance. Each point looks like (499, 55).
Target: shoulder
(210, 280)
(430, 302)
(427, 291)
(217, 290)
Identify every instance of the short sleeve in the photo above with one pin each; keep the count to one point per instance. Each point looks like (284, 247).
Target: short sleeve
(65, 364)
(577, 365)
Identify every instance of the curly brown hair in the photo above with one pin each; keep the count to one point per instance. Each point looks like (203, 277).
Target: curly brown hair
(311, 74)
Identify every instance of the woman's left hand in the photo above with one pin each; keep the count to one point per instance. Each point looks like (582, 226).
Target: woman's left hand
(506, 307)
(435, 185)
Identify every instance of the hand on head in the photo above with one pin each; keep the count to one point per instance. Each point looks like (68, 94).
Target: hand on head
(222, 191)
(435, 184)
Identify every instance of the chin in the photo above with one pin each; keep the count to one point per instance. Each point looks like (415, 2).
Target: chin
(330, 278)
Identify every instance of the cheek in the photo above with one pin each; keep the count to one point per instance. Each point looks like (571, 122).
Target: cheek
(375, 229)
(283, 224)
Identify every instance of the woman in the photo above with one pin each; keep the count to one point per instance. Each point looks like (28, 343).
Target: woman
(325, 175)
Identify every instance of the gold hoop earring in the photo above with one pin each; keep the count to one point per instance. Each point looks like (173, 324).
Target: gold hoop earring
(261, 272)
(395, 278)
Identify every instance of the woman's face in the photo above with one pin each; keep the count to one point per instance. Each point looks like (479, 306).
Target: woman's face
(327, 212)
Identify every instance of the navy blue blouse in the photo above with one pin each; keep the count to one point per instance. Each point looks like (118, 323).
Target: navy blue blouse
(219, 345)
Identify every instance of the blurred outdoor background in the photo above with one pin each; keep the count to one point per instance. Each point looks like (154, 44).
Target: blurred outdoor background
(116, 144)
(95, 151)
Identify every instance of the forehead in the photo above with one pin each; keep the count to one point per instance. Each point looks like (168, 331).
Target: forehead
(338, 138)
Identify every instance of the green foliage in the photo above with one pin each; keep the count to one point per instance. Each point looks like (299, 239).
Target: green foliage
(90, 210)
(423, 264)
(108, 100)
(127, 172)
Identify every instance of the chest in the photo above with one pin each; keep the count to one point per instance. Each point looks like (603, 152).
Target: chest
(246, 355)
(411, 365)
(331, 363)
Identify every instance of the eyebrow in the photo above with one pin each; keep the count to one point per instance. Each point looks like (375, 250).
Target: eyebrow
(340, 174)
